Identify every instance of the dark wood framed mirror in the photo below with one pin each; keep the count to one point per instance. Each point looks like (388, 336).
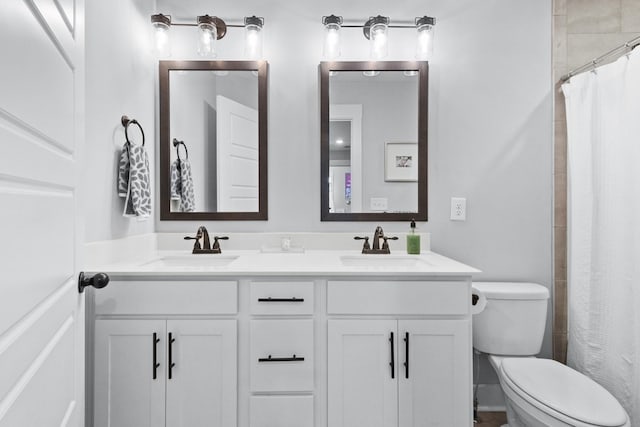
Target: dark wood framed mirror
(373, 140)
(213, 140)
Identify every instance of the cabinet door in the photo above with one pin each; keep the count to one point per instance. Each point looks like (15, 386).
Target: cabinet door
(126, 392)
(362, 388)
(435, 387)
(202, 387)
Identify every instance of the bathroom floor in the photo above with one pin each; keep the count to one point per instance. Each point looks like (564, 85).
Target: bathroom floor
(491, 419)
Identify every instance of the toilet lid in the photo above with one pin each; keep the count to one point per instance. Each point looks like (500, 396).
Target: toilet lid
(564, 390)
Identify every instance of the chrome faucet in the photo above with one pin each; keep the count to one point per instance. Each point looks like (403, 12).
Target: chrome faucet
(205, 247)
(377, 236)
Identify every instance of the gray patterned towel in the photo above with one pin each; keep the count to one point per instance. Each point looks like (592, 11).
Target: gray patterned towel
(134, 181)
(182, 185)
(123, 171)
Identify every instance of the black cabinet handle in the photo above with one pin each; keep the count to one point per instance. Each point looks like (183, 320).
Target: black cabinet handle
(156, 365)
(393, 357)
(171, 364)
(99, 281)
(294, 358)
(406, 354)
(269, 299)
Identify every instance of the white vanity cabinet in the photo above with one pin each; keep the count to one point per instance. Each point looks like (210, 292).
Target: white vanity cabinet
(406, 369)
(283, 351)
(157, 366)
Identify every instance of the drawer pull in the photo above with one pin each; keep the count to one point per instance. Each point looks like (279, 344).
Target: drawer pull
(269, 299)
(294, 358)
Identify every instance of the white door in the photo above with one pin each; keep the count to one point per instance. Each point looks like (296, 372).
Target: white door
(201, 390)
(41, 131)
(435, 387)
(130, 372)
(362, 387)
(237, 159)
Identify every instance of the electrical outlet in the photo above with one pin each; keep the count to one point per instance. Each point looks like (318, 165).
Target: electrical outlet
(458, 209)
(378, 203)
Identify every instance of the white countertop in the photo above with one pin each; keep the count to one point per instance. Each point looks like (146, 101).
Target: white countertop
(317, 263)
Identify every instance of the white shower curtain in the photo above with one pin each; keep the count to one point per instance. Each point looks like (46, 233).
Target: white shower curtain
(603, 126)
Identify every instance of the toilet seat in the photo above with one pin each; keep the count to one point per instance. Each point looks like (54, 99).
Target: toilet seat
(562, 392)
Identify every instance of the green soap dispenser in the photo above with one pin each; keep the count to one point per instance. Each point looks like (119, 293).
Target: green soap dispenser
(413, 240)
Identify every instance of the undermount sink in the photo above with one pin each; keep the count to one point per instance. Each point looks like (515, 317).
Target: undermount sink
(381, 261)
(199, 260)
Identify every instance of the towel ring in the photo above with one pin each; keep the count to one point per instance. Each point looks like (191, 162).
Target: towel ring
(126, 122)
(177, 144)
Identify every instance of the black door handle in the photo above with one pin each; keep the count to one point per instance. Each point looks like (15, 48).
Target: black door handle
(393, 357)
(98, 281)
(156, 340)
(406, 354)
(171, 364)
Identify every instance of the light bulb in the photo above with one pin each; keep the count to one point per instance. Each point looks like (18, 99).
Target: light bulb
(424, 45)
(375, 29)
(162, 43)
(207, 36)
(253, 37)
(332, 25)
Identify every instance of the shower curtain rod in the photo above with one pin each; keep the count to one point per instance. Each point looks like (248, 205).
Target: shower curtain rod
(630, 45)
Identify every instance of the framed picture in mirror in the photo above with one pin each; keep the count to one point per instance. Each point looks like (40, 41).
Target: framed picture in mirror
(401, 162)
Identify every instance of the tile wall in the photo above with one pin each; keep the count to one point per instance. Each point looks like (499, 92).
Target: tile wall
(582, 31)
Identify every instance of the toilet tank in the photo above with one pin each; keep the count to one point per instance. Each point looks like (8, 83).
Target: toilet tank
(513, 320)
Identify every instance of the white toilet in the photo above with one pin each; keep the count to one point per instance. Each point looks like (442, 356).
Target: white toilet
(538, 392)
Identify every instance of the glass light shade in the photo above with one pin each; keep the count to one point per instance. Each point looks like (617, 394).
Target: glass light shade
(162, 42)
(253, 41)
(331, 48)
(424, 47)
(207, 36)
(378, 41)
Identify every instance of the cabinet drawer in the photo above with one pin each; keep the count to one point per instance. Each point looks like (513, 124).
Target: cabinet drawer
(281, 411)
(397, 297)
(167, 298)
(282, 298)
(282, 355)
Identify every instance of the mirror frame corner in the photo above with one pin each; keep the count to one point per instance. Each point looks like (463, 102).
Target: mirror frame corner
(164, 68)
(423, 104)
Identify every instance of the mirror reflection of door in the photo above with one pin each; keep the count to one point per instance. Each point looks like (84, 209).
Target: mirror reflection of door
(340, 194)
(345, 158)
(237, 143)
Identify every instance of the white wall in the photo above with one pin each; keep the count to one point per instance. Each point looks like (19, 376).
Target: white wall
(120, 80)
(490, 122)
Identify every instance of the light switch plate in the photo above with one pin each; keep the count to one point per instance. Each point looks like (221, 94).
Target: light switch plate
(378, 203)
(458, 209)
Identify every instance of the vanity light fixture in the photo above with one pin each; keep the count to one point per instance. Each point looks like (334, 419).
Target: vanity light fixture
(161, 24)
(332, 25)
(253, 37)
(376, 30)
(210, 30)
(424, 47)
